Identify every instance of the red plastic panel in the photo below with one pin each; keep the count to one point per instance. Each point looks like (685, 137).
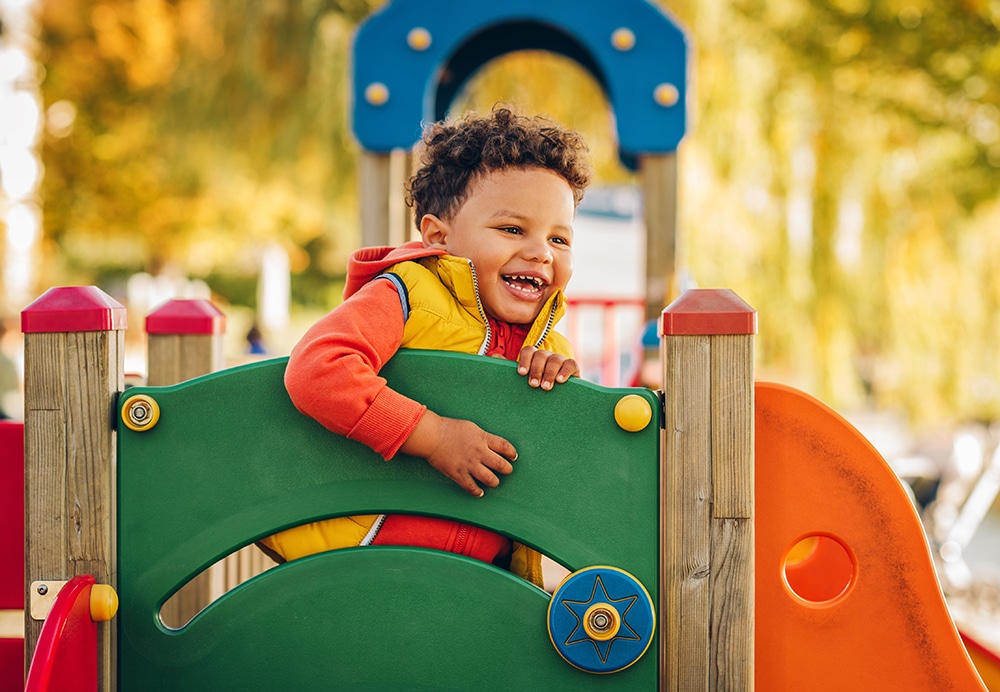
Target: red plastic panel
(11, 515)
(708, 311)
(66, 654)
(11, 664)
(11, 546)
(186, 317)
(73, 309)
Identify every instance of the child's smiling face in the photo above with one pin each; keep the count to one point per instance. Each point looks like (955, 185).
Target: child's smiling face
(516, 226)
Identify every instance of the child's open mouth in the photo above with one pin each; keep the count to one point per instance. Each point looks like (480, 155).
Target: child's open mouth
(525, 284)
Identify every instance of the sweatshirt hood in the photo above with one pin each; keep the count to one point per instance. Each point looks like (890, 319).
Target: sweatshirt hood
(368, 262)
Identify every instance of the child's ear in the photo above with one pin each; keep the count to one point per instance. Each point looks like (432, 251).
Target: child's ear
(434, 231)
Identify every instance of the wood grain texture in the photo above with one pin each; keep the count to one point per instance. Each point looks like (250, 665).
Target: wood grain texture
(685, 536)
(175, 358)
(732, 635)
(707, 505)
(732, 426)
(659, 184)
(374, 185)
(71, 386)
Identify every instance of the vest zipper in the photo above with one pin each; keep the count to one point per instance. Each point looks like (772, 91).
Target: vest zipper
(373, 531)
(482, 313)
(548, 324)
(489, 332)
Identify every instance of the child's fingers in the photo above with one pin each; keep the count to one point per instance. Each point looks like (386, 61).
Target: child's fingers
(506, 451)
(568, 369)
(524, 359)
(468, 484)
(486, 477)
(554, 369)
(533, 364)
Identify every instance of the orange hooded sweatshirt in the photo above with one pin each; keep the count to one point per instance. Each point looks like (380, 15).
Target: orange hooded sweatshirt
(332, 376)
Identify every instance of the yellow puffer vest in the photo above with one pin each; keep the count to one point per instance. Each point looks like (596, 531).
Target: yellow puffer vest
(443, 312)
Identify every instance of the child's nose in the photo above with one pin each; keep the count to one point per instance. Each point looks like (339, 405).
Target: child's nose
(538, 250)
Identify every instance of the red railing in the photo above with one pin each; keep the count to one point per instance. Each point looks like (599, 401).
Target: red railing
(615, 357)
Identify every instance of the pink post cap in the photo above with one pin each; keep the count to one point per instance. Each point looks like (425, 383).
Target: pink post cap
(73, 309)
(708, 312)
(186, 317)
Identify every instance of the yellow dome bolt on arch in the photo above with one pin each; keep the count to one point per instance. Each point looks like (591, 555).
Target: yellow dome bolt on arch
(633, 413)
(623, 39)
(141, 413)
(377, 94)
(103, 602)
(666, 95)
(418, 38)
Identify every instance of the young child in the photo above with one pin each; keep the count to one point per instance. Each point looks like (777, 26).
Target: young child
(494, 200)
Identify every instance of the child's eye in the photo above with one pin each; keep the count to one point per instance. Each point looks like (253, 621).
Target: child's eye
(510, 229)
(559, 240)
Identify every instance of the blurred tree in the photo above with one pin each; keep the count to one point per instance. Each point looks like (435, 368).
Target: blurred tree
(839, 172)
(844, 156)
(202, 129)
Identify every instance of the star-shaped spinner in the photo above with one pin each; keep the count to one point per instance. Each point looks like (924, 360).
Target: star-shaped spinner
(601, 619)
(595, 624)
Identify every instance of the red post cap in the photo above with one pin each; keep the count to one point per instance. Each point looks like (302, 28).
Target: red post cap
(73, 309)
(708, 312)
(186, 317)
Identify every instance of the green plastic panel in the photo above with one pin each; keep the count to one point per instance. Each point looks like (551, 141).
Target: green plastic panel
(231, 461)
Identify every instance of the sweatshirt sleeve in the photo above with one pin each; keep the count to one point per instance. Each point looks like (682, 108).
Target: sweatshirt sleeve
(332, 373)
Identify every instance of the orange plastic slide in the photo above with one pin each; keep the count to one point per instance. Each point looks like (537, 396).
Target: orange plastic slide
(847, 596)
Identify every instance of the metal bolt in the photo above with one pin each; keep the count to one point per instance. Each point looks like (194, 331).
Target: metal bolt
(601, 620)
(42, 589)
(139, 412)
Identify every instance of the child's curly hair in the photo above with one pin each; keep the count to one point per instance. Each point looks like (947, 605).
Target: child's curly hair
(455, 153)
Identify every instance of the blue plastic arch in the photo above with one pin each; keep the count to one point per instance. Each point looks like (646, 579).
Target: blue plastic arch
(412, 58)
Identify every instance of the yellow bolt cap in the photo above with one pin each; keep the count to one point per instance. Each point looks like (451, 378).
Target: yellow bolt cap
(377, 94)
(623, 39)
(666, 95)
(419, 39)
(103, 602)
(633, 413)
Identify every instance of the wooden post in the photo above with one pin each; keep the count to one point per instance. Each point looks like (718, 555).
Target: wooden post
(659, 185)
(374, 184)
(74, 343)
(707, 493)
(184, 340)
(385, 218)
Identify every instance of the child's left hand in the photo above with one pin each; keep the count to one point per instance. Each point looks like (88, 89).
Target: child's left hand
(545, 368)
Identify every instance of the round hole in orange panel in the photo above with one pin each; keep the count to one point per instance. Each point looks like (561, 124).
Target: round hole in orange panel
(819, 568)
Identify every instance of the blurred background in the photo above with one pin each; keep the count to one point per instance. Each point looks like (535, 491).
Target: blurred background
(840, 173)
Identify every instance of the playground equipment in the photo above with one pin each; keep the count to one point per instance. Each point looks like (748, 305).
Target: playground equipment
(649, 501)
(412, 57)
(662, 492)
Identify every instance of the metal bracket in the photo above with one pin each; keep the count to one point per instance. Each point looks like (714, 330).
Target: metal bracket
(42, 596)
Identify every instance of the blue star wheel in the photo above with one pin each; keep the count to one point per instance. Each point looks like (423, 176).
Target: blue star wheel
(601, 619)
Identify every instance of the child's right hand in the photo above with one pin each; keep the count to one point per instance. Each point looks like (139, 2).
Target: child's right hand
(462, 451)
